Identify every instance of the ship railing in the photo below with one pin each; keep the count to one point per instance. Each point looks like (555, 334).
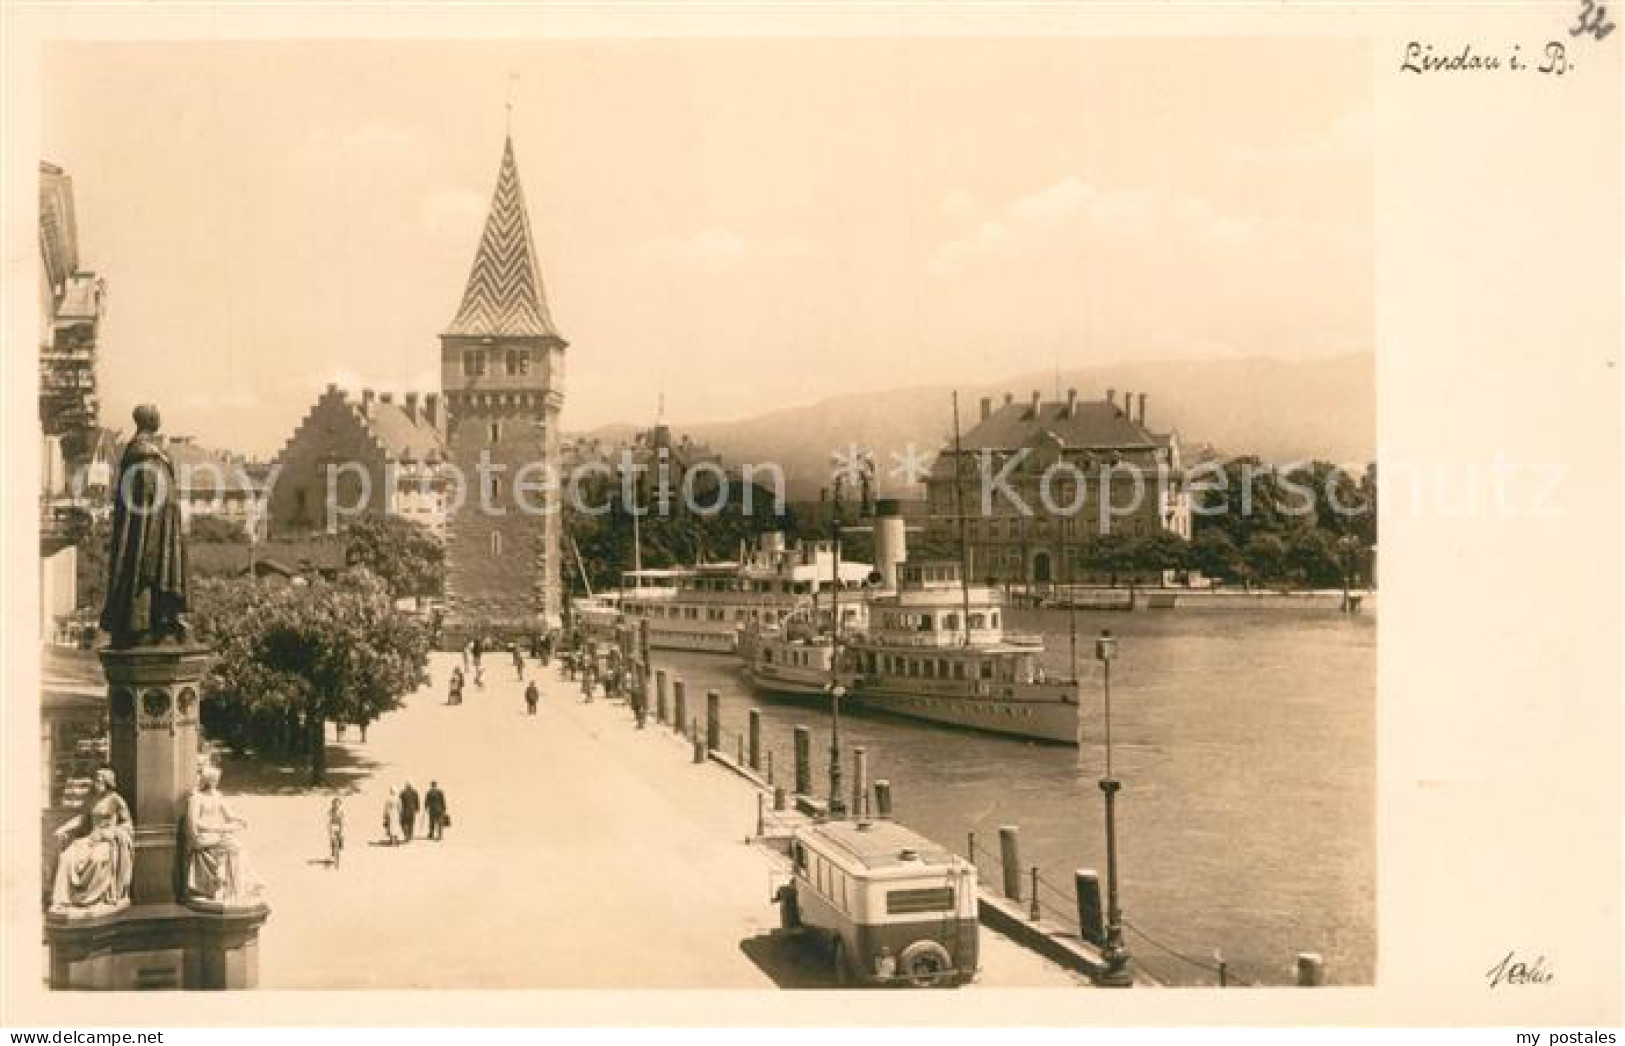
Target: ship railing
(928, 640)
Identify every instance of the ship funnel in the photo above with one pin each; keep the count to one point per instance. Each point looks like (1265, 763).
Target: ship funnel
(891, 541)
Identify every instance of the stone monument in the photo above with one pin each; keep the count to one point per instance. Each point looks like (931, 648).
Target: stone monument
(159, 933)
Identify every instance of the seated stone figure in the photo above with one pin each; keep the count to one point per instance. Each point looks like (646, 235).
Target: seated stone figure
(94, 870)
(217, 872)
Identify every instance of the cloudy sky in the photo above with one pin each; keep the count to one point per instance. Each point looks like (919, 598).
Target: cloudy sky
(742, 224)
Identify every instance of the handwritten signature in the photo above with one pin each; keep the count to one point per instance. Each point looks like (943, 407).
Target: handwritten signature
(1511, 970)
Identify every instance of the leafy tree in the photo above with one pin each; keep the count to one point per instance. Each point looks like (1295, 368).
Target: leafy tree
(289, 658)
(1314, 556)
(1324, 496)
(1215, 555)
(1306, 523)
(670, 537)
(1109, 554)
(406, 555)
(1365, 523)
(90, 581)
(1242, 500)
(1160, 550)
(212, 530)
(1266, 555)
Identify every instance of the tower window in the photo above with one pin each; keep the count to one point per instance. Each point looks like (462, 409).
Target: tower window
(496, 432)
(513, 362)
(524, 361)
(496, 543)
(474, 363)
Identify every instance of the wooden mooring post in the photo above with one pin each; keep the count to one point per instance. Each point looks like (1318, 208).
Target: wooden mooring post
(860, 782)
(1091, 917)
(803, 760)
(883, 798)
(660, 695)
(755, 745)
(713, 721)
(1010, 860)
(679, 697)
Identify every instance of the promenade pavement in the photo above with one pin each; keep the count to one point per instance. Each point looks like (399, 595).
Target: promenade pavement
(583, 853)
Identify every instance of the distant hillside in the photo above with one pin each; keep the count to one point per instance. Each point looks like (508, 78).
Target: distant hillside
(1280, 411)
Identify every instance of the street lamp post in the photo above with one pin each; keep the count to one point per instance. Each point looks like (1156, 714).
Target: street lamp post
(1116, 955)
(837, 805)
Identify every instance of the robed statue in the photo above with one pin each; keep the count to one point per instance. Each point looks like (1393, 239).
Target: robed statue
(217, 871)
(147, 582)
(97, 861)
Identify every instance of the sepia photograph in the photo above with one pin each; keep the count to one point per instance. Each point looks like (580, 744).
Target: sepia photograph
(778, 514)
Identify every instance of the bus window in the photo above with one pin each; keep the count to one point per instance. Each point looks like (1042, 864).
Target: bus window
(924, 899)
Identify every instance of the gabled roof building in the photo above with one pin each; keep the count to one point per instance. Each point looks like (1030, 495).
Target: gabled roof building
(355, 454)
(1039, 480)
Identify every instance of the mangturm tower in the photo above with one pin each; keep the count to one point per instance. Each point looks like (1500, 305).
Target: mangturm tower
(501, 369)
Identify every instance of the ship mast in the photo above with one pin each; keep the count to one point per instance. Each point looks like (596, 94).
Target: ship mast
(959, 497)
(585, 581)
(1072, 590)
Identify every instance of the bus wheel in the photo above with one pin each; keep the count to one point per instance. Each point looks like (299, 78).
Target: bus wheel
(837, 956)
(923, 963)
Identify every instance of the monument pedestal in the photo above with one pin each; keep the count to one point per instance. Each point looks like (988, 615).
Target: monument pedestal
(158, 941)
(148, 947)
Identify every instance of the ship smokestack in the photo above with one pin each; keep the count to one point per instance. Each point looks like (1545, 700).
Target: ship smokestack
(891, 541)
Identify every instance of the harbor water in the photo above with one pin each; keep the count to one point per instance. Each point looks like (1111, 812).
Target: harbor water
(1246, 744)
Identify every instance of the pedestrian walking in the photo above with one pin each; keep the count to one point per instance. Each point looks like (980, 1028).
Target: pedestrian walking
(479, 648)
(479, 676)
(518, 661)
(335, 830)
(409, 811)
(434, 804)
(454, 693)
(532, 697)
(468, 651)
(392, 817)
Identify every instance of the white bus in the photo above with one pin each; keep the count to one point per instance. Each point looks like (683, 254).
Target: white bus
(892, 906)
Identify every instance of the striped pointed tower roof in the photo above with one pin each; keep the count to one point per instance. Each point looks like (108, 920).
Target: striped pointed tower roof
(504, 297)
